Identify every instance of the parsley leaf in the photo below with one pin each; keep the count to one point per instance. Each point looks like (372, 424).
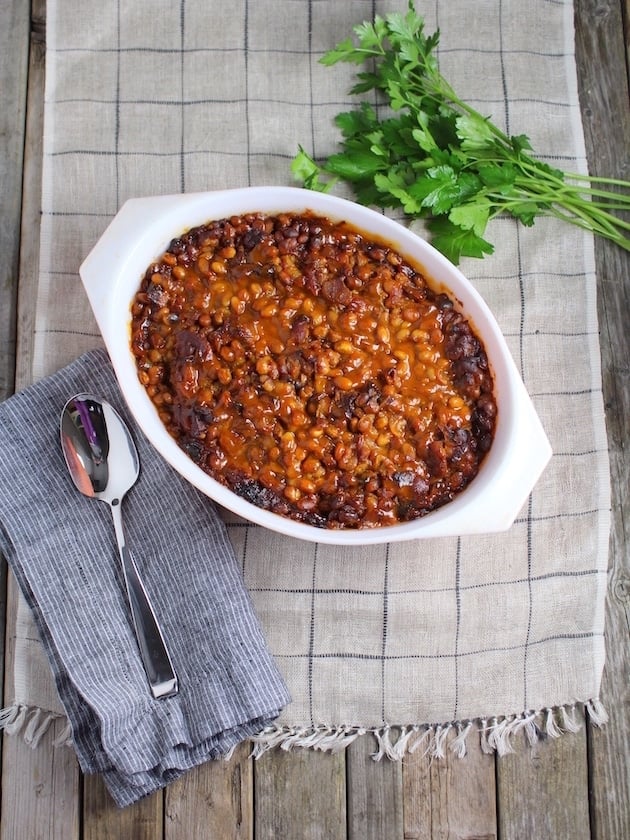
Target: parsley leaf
(306, 170)
(362, 164)
(473, 216)
(455, 243)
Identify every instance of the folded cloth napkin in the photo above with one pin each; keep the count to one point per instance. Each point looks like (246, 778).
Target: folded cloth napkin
(62, 548)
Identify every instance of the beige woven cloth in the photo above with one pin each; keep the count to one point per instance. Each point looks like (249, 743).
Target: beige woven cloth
(503, 632)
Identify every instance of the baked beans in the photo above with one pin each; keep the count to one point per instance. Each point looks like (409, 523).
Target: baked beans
(313, 370)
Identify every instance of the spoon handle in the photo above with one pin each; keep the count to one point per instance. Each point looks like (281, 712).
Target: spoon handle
(155, 656)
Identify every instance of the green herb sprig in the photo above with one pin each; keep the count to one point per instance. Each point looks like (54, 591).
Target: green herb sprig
(437, 158)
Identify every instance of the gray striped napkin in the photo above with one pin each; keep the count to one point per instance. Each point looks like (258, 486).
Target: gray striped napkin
(62, 549)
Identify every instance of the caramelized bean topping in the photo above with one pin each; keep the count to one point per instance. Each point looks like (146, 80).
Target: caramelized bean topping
(313, 370)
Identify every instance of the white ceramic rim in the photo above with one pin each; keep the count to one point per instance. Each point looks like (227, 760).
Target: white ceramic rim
(141, 232)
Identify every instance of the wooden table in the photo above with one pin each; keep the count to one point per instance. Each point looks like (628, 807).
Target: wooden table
(575, 787)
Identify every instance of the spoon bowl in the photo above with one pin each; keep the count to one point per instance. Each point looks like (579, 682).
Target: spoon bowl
(102, 458)
(103, 462)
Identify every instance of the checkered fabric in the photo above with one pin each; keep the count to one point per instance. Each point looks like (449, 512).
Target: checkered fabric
(161, 97)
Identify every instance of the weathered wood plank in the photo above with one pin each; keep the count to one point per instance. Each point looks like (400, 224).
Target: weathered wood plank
(215, 800)
(547, 798)
(45, 805)
(600, 57)
(301, 796)
(455, 797)
(39, 787)
(375, 794)
(14, 40)
(31, 197)
(542, 791)
(102, 820)
(604, 90)
(625, 8)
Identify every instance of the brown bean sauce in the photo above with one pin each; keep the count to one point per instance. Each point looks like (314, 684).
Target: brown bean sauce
(312, 370)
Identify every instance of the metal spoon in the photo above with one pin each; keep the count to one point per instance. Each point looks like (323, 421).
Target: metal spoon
(103, 462)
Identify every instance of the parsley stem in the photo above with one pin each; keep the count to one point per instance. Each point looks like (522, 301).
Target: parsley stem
(598, 179)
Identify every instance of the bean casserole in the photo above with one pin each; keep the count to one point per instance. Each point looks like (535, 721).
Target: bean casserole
(313, 370)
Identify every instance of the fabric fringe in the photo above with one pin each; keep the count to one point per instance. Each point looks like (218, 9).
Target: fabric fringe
(32, 723)
(331, 739)
(596, 712)
(496, 735)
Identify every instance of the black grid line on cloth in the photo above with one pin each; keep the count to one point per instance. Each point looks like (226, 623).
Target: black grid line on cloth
(563, 393)
(176, 155)
(187, 153)
(247, 120)
(310, 75)
(183, 100)
(182, 103)
(84, 333)
(318, 590)
(473, 275)
(521, 288)
(117, 103)
(384, 656)
(244, 552)
(530, 500)
(61, 214)
(530, 604)
(206, 100)
(246, 51)
(311, 637)
(209, 100)
(461, 588)
(531, 518)
(409, 657)
(581, 454)
(458, 618)
(538, 333)
(286, 50)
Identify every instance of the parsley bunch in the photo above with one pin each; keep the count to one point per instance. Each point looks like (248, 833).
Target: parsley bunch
(438, 158)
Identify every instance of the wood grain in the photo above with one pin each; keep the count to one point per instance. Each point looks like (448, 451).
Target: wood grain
(300, 795)
(375, 794)
(213, 801)
(40, 787)
(542, 791)
(14, 31)
(31, 197)
(102, 820)
(39, 791)
(602, 55)
(452, 798)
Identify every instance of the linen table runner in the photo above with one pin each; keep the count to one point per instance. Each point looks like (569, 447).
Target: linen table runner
(501, 632)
